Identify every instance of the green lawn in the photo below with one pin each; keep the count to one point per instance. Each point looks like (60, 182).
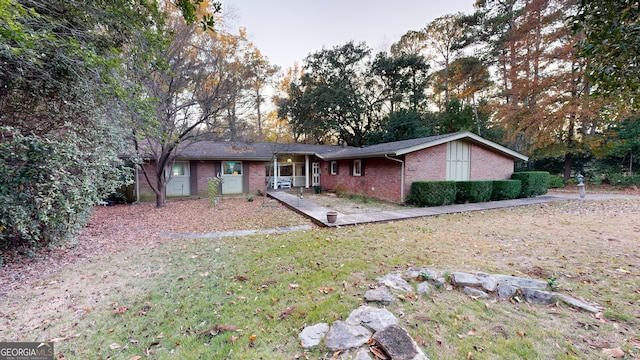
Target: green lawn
(249, 297)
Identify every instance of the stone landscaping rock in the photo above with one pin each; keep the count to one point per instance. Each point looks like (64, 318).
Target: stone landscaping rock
(424, 288)
(522, 282)
(415, 273)
(373, 318)
(475, 292)
(395, 282)
(396, 343)
(579, 304)
(312, 335)
(342, 336)
(506, 291)
(380, 294)
(489, 282)
(540, 297)
(464, 279)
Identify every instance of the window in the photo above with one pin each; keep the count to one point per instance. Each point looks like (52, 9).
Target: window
(232, 168)
(299, 170)
(178, 168)
(357, 167)
(333, 168)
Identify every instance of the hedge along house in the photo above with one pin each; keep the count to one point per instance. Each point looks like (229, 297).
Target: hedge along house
(384, 171)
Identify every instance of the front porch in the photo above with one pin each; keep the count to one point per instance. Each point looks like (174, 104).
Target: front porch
(292, 171)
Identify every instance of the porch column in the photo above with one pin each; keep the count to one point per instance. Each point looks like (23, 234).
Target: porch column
(306, 171)
(274, 182)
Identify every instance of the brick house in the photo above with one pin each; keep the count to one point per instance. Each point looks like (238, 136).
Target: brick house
(384, 171)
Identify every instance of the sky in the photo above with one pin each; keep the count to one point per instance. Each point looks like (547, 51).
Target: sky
(286, 31)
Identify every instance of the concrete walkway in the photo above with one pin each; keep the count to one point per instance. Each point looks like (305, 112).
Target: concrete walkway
(319, 213)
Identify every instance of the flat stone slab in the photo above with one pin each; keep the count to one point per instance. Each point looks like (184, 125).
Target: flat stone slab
(523, 282)
(395, 282)
(489, 282)
(477, 293)
(463, 279)
(342, 336)
(373, 318)
(506, 291)
(312, 335)
(579, 304)
(381, 294)
(536, 296)
(396, 343)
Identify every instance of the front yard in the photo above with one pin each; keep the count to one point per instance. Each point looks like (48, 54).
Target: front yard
(132, 288)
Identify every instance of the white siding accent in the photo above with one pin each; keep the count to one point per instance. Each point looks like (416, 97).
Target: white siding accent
(458, 160)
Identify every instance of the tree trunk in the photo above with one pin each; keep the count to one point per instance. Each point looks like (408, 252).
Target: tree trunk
(567, 166)
(161, 186)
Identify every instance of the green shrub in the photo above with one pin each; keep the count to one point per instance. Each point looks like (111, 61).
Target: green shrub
(473, 191)
(505, 189)
(432, 193)
(317, 189)
(533, 183)
(556, 181)
(623, 180)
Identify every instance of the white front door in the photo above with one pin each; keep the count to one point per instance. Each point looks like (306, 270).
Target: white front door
(231, 177)
(315, 174)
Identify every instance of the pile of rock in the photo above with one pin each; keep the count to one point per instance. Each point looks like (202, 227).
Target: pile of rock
(370, 330)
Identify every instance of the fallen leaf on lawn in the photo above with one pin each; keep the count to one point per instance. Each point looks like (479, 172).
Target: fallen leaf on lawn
(114, 346)
(614, 353)
(240, 278)
(469, 355)
(216, 329)
(472, 332)
(286, 312)
(478, 348)
(521, 333)
(160, 336)
(233, 339)
(204, 274)
(337, 354)
(635, 342)
(120, 310)
(253, 337)
(624, 271)
(133, 341)
(294, 286)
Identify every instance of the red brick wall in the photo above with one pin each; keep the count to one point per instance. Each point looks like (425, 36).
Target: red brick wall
(257, 172)
(381, 179)
(429, 164)
(489, 165)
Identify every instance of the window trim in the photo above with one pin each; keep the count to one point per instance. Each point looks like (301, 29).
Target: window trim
(357, 167)
(333, 167)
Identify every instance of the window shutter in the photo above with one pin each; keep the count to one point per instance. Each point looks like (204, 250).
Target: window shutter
(362, 167)
(337, 167)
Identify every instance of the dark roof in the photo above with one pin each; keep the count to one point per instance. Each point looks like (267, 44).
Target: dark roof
(211, 150)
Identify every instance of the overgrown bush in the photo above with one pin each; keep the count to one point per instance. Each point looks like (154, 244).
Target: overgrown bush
(556, 181)
(505, 189)
(624, 180)
(49, 183)
(432, 193)
(533, 183)
(473, 191)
